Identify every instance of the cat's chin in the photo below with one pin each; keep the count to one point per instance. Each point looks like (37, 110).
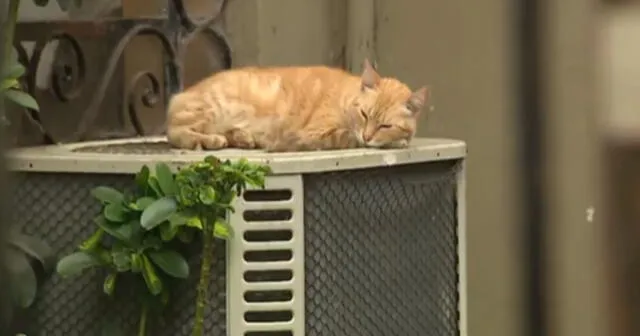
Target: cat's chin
(391, 145)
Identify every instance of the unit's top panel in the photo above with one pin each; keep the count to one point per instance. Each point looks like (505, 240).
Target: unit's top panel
(128, 156)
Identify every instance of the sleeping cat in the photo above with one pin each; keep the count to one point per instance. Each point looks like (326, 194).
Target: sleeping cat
(284, 109)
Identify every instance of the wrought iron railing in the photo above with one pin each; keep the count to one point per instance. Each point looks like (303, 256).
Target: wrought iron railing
(94, 81)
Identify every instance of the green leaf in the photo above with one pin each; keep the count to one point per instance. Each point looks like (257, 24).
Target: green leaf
(195, 222)
(115, 212)
(222, 230)
(187, 196)
(255, 180)
(128, 232)
(168, 231)
(144, 202)
(136, 263)
(212, 160)
(150, 276)
(142, 178)
(93, 241)
(242, 163)
(165, 179)
(14, 70)
(22, 99)
(9, 83)
(75, 263)
(155, 185)
(171, 262)
(107, 195)
(34, 248)
(178, 219)
(121, 260)
(158, 212)
(109, 285)
(207, 195)
(22, 277)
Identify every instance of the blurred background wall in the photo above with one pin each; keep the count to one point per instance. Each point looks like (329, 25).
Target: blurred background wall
(464, 51)
(619, 72)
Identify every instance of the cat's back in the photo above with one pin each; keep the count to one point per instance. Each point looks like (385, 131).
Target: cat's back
(287, 74)
(261, 78)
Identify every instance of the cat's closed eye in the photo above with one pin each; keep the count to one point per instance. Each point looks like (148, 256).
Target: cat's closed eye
(384, 126)
(364, 115)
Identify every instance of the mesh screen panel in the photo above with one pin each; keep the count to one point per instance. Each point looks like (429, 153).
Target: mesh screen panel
(58, 208)
(381, 252)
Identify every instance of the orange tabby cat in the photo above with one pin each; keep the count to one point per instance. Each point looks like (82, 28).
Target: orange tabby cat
(284, 109)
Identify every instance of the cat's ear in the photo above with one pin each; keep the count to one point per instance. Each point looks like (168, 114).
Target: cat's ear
(418, 99)
(370, 77)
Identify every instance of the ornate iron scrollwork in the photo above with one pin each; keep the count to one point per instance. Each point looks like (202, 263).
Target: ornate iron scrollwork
(76, 71)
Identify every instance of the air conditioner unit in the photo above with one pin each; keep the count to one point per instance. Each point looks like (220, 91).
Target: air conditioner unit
(340, 243)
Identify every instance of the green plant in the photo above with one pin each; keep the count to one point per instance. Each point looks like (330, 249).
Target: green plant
(29, 261)
(146, 225)
(205, 192)
(11, 70)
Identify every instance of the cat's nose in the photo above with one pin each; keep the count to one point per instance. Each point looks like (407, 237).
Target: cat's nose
(367, 136)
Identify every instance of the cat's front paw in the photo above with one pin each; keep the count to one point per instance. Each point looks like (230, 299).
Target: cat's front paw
(396, 144)
(214, 141)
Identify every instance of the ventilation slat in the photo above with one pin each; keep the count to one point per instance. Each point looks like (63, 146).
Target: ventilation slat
(267, 286)
(268, 296)
(266, 266)
(267, 215)
(272, 225)
(270, 326)
(268, 255)
(270, 333)
(264, 206)
(268, 235)
(266, 246)
(268, 316)
(267, 195)
(267, 306)
(268, 276)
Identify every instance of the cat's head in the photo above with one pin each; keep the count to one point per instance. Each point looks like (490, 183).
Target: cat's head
(386, 110)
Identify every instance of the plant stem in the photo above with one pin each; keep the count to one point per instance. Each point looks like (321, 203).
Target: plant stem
(205, 274)
(9, 29)
(142, 326)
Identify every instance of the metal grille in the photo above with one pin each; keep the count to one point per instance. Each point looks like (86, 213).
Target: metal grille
(381, 252)
(58, 208)
(106, 68)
